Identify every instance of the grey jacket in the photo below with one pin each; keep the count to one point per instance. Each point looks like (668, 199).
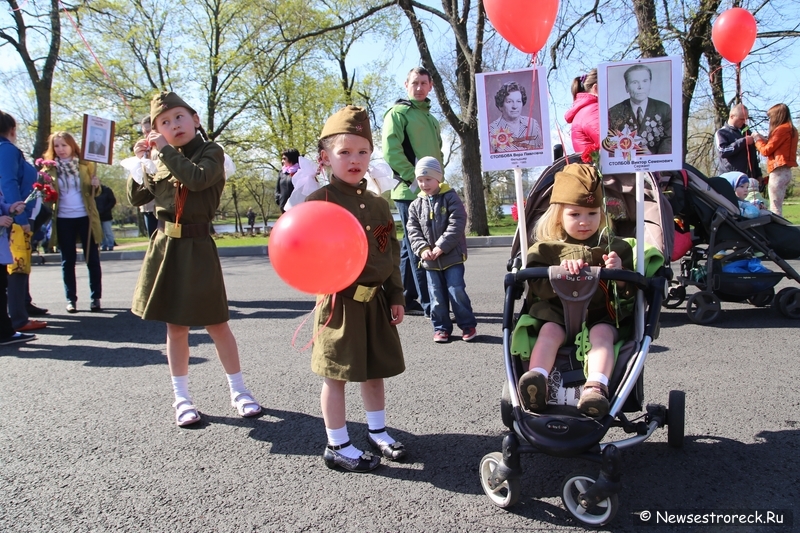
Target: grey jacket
(438, 220)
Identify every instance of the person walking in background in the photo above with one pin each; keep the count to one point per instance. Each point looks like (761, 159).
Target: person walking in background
(584, 115)
(17, 177)
(143, 149)
(75, 215)
(735, 145)
(181, 280)
(410, 133)
(251, 218)
(290, 164)
(780, 149)
(105, 203)
(436, 228)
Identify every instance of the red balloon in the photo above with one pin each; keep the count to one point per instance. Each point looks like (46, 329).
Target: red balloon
(318, 247)
(524, 23)
(734, 33)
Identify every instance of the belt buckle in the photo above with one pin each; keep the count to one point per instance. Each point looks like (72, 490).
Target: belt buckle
(364, 294)
(172, 230)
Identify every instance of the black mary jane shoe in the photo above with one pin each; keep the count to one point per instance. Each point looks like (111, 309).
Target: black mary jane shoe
(365, 463)
(394, 451)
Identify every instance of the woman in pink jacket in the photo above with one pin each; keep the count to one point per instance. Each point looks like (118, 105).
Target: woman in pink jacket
(584, 115)
(780, 149)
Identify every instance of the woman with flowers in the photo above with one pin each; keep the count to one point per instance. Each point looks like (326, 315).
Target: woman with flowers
(512, 131)
(75, 215)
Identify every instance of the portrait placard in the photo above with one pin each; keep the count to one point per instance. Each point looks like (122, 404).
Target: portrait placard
(513, 120)
(98, 139)
(640, 115)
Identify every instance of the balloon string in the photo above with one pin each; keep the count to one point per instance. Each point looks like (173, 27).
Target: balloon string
(309, 315)
(21, 6)
(96, 60)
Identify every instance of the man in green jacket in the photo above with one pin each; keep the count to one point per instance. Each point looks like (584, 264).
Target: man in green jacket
(410, 132)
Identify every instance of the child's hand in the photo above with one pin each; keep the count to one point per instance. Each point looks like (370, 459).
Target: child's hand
(573, 266)
(398, 312)
(436, 252)
(612, 260)
(426, 255)
(142, 148)
(156, 140)
(6, 221)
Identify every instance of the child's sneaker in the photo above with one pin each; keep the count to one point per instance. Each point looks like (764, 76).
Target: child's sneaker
(469, 334)
(533, 391)
(441, 336)
(594, 400)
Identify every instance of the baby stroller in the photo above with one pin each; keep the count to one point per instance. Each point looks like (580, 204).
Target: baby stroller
(723, 245)
(561, 430)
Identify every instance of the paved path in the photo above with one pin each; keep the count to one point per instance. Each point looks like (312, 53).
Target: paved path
(89, 444)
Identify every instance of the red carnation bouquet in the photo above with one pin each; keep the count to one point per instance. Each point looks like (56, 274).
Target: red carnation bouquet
(43, 188)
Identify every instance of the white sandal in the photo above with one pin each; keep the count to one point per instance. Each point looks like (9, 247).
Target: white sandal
(244, 400)
(184, 408)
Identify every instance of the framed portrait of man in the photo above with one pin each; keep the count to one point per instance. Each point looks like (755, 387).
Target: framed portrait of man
(513, 121)
(640, 115)
(98, 139)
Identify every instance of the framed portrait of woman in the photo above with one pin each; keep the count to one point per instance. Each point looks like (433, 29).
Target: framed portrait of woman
(513, 121)
(97, 143)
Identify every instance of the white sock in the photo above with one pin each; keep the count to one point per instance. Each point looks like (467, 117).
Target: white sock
(236, 383)
(541, 370)
(180, 386)
(599, 377)
(337, 437)
(377, 420)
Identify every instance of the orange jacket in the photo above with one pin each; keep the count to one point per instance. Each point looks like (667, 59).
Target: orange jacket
(781, 148)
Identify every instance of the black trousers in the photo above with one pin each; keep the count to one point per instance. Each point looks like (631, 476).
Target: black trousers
(6, 330)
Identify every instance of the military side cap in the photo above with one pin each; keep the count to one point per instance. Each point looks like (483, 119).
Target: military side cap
(577, 185)
(351, 119)
(164, 101)
(429, 166)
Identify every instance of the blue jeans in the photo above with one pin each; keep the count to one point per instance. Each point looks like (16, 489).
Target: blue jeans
(447, 289)
(68, 230)
(415, 284)
(108, 235)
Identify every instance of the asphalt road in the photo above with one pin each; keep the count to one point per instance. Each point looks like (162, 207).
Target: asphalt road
(88, 440)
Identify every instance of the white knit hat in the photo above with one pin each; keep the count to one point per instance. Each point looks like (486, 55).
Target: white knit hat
(429, 166)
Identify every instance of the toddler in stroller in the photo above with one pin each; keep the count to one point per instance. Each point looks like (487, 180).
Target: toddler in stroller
(570, 234)
(551, 423)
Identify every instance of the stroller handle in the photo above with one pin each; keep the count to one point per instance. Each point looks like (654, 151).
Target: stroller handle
(615, 274)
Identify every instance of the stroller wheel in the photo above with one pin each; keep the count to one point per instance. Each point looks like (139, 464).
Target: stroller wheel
(763, 298)
(703, 307)
(789, 302)
(676, 418)
(675, 297)
(601, 514)
(505, 494)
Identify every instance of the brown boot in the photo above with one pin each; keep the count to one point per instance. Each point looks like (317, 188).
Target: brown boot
(594, 399)
(533, 391)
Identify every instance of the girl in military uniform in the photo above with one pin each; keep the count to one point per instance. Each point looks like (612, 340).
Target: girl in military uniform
(570, 234)
(356, 334)
(181, 278)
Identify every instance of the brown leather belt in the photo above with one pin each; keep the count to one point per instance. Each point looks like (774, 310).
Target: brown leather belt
(186, 230)
(360, 293)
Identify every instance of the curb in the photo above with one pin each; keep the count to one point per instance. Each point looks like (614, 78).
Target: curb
(502, 241)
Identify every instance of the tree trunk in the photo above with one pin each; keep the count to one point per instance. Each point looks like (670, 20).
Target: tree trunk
(650, 43)
(474, 194)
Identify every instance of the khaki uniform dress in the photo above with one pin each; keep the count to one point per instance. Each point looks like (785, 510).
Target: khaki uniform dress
(359, 343)
(181, 278)
(548, 306)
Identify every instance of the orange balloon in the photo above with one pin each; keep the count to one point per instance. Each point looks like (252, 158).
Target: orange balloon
(734, 33)
(318, 247)
(524, 23)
